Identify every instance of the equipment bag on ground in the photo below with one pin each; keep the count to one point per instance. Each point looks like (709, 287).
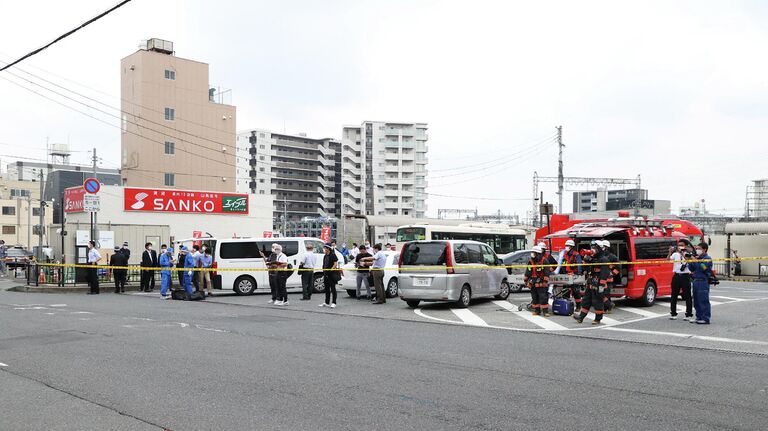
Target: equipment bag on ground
(179, 294)
(562, 307)
(198, 295)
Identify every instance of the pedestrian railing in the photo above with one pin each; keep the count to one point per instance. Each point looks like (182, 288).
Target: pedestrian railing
(43, 275)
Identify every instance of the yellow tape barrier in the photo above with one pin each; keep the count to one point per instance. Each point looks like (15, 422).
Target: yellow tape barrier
(406, 269)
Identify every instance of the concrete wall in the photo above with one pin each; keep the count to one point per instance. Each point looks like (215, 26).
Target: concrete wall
(747, 246)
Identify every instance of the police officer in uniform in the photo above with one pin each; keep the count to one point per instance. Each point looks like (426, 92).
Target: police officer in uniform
(537, 278)
(597, 279)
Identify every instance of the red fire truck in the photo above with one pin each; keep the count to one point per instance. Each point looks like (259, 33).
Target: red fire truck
(644, 242)
(560, 222)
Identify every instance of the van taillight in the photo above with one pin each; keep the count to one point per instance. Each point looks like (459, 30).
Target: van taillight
(630, 275)
(214, 266)
(449, 259)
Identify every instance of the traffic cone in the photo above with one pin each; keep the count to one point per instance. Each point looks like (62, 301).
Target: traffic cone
(40, 276)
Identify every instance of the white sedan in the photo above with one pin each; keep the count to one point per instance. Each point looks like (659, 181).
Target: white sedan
(349, 279)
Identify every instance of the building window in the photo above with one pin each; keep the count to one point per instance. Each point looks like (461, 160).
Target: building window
(9, 230)
(9, 211)
(170, 114)
(261, 192)
(261, 180)
(170, 147)
(170, 180)
(19, 193)
(35, 212)
(170, 74)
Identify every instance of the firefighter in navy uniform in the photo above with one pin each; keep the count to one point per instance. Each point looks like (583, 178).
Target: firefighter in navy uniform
(569, 265)
(597, 278)
(537, 279)
(614, 278)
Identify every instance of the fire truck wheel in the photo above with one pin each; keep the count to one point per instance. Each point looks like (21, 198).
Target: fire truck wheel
(649, 294)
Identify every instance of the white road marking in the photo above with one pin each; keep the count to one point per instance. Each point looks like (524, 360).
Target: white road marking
(542, 322)
(606, 320)
(3, 365)
(50, 314)
(640, 311)
(58, 305)
(31, 308)
(715, 303)
(468, 317)
(728, 298)
(692, 336)
(205, 328)
(81, 312)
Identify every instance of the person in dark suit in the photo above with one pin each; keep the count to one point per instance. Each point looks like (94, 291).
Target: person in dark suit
(119, 259)
(148, 260)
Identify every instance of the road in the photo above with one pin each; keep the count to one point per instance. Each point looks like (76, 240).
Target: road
(133, 362)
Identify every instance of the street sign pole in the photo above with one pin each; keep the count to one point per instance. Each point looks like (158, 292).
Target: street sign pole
(91, 201)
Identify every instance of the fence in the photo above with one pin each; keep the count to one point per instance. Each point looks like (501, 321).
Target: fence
(37, 275)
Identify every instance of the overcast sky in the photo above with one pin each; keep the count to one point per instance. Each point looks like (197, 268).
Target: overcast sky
(675, 91)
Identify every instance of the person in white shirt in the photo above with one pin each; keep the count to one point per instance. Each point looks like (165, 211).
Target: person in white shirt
(307, 269)
(354, 251)
(377, 263)
(93, 275)
(281, 276)
(681, 279)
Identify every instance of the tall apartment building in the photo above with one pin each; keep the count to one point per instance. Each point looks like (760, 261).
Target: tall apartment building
(603, 200)
(174, 134)
(384, 169)
(303, 175)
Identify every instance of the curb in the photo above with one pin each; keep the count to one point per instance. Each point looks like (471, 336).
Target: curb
(51, 289)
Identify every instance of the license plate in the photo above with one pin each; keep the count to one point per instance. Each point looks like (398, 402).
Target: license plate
(421, 282)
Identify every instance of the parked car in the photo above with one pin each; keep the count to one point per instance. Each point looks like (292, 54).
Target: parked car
(17, 257)
(516, 275)
(349, 280)
(450, 271)
(237, 255)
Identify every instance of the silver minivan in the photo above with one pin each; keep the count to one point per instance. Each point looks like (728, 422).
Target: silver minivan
(450, 271)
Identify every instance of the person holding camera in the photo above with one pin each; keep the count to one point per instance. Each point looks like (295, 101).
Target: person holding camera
(681, 279)
(702, 274)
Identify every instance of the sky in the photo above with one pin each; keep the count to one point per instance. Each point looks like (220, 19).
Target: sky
(673, 91)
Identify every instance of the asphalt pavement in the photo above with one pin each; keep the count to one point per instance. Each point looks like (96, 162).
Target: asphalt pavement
(74, 361)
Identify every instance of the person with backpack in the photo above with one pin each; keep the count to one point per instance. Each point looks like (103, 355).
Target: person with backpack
(701, 272)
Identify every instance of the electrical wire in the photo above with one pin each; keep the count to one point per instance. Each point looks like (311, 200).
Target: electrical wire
(496, 158)
(90, 21)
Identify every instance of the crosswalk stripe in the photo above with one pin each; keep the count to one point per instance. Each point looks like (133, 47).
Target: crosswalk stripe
(468, 317)
(726, 297)
(640, 311)
(606, 320)
(542, 322)
(715, 303)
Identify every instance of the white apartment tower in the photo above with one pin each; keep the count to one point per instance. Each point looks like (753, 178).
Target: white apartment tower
(384, 169)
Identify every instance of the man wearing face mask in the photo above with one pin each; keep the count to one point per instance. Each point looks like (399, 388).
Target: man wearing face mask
(701, 271)
(537, 278)
(148, 261)
(681, 279)
(597, 279)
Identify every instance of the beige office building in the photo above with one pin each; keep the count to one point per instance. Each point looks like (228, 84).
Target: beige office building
(174, 133)
(20, 205)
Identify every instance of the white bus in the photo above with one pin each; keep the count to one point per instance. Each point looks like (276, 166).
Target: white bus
(502, 239)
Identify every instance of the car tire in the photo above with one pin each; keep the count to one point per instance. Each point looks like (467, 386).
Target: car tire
(352, 293)
(318, 286)
(649, 294)
(245, 285)
(413, 303)
(516, 288)
(465, 297)
(391, 290)
(504, 294)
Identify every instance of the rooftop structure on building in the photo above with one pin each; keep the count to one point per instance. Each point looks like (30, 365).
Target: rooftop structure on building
(174, 133)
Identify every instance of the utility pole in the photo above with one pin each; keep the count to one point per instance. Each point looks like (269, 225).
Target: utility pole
(29, 221)
(560, 169)
(94, 220)
(42, 219)
(285, 217)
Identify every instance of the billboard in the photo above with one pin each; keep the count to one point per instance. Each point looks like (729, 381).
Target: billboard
(73, 199)
(184, 201)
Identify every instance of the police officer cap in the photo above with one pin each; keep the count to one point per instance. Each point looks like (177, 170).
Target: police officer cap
(117, 248)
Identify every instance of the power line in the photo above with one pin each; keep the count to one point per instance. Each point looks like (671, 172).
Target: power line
(496, 159)
(94, 19)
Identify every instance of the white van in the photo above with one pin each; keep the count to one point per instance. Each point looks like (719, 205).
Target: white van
(235, 257)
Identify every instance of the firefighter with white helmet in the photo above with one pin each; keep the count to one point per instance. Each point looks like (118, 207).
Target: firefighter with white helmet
(596, 279)
(570, 259)
(537, 278)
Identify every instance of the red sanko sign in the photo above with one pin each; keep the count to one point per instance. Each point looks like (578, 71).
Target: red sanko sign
(73, 200)
(184, 201)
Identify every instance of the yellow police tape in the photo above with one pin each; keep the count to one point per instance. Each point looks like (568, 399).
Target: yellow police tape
(404, 269)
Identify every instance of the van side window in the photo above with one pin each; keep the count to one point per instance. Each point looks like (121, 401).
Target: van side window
(489, 258)
(460, 254)
(318, 246)
(239, 250)
(475, 253)
(290, 248)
